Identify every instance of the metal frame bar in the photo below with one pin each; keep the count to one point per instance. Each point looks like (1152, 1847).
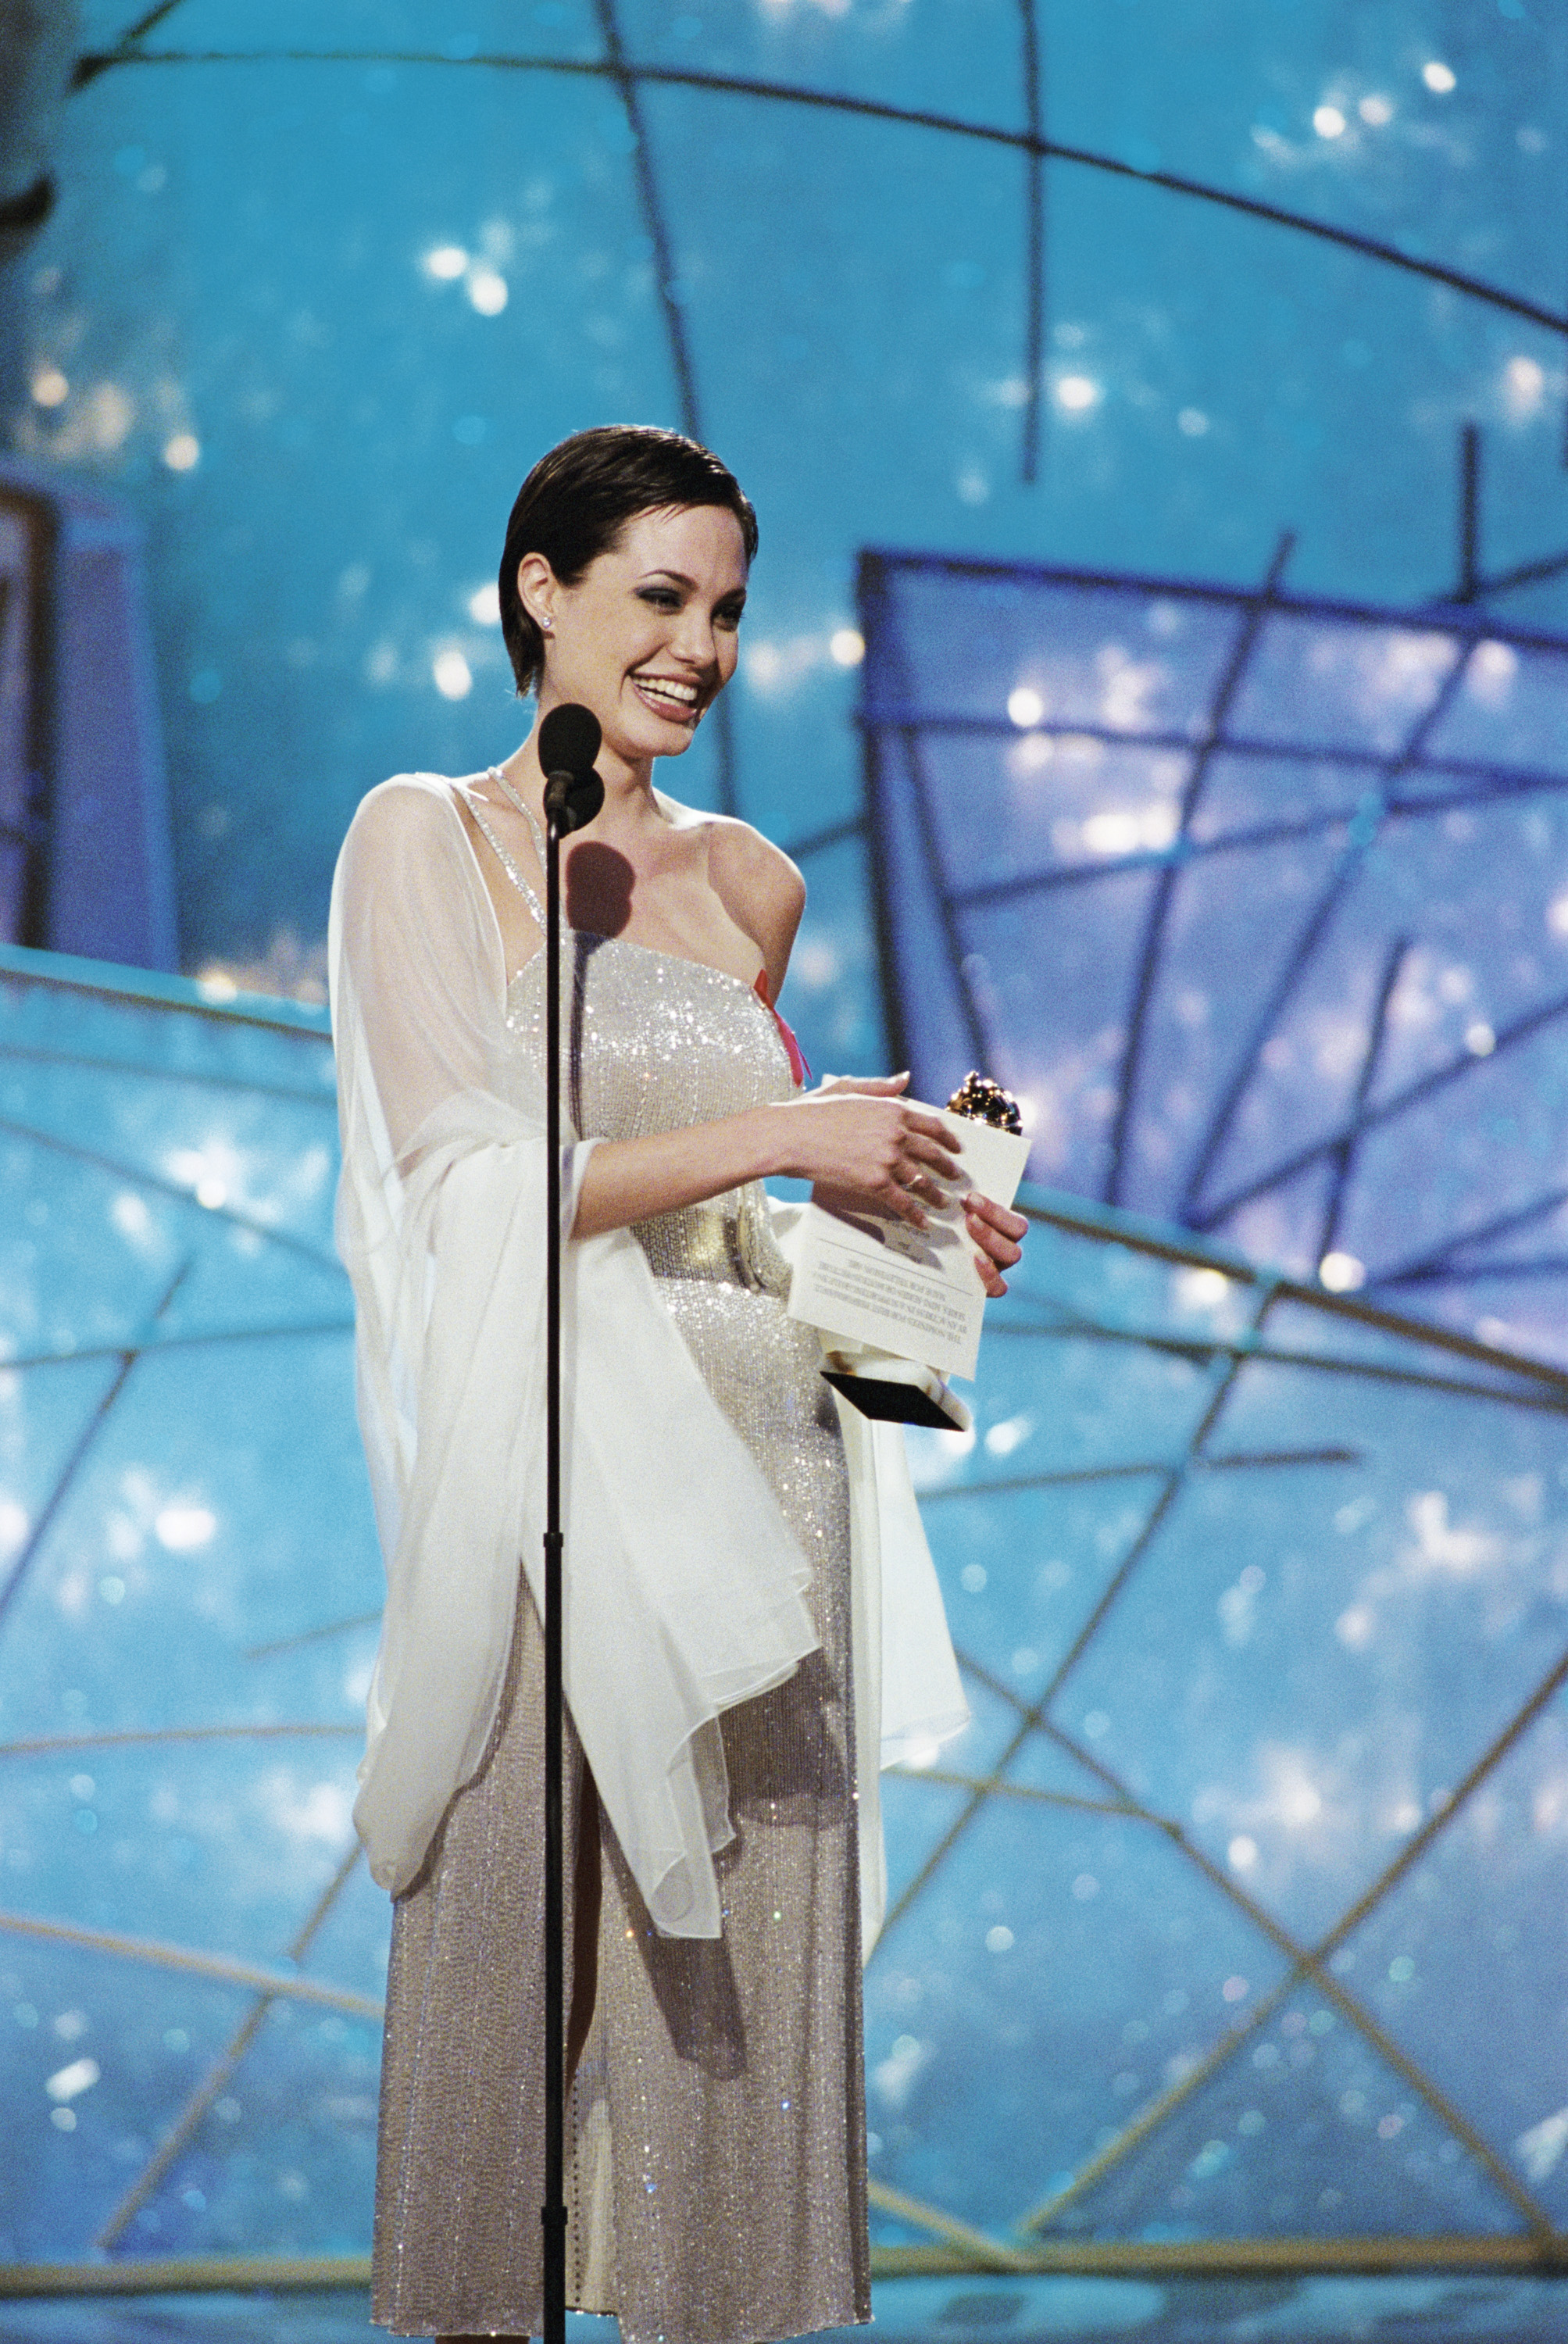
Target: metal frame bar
(1032, 78)
(1345, 1157)
(1251, 618)
(40, 521)
(1436, 1263)
(930, 850)
(180, 2133)
(1507, 2256)
(54, 1745)
(92, 65)
(1073, 1477)
(80, 1449)
(1362, 836)
(1522, 1029)
(254, 1976)
(875, 608)
(22, 964)
(138, 1176)
(1222, 1376)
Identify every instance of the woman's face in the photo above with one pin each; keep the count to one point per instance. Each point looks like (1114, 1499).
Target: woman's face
(647, 637)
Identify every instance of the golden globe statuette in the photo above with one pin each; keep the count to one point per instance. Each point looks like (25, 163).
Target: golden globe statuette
(884, 1384)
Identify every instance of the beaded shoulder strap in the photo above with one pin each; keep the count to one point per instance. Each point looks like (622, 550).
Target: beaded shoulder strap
(501, 855)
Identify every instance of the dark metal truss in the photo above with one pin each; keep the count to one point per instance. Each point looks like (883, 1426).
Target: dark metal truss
(1384, 791)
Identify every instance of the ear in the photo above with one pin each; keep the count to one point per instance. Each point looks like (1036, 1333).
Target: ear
(537, 587)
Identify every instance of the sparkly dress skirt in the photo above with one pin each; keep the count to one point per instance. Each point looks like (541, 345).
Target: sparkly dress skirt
(716, 2166)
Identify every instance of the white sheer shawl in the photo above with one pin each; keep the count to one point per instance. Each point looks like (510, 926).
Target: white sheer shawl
(685, 1585)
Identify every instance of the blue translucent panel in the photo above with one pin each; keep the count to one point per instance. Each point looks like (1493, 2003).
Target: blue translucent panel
(1227, 950)
(1303, 2131)
(1091, 655)
(45, 1415)
(1317, 683)
(1071, 1961)
(171, 1533)
(965, 61)
(1509, 709)
(286, 2157)
(1323, 1020)
(542, 28)
(1472, 1926)
(1076, 1273)
(149, 2033)
(1268, 794)
(1032, 977)
(1048, 803)
(1307, 1653)
(1022, 1571)
(190, 1619)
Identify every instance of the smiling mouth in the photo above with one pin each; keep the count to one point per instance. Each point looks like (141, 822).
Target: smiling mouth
(669, 696)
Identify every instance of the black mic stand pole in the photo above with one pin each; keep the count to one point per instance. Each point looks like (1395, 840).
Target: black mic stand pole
(554, 2212)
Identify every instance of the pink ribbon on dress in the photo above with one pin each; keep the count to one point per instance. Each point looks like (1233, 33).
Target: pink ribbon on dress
(797, 1064)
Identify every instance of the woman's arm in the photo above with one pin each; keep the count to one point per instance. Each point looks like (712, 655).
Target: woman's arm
(863, 1141)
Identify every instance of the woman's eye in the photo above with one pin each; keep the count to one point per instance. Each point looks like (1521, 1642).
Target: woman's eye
(661, 598)
(728, 618)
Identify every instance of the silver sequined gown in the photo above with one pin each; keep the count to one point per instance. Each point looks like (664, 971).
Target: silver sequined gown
(716, 2187)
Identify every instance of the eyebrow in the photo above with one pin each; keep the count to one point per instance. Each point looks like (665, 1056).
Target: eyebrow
(679, 578)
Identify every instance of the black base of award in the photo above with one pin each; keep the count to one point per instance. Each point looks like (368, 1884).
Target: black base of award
(890, 1402)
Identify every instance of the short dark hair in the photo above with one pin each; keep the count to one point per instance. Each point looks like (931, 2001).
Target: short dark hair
(577, 499)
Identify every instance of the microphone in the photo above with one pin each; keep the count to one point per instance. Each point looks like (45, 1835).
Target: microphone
(569, 741)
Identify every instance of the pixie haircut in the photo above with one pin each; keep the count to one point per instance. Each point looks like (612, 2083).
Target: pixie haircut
(577, 499)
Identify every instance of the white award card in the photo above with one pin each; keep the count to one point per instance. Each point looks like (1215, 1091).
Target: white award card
(870, 1277)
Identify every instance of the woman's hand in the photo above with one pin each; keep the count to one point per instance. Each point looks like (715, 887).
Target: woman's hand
(999, 1234)
(861, 1144)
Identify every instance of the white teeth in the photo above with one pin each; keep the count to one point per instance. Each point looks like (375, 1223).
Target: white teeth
(683, 696)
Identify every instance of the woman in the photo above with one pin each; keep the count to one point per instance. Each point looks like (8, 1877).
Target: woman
(716, 2148)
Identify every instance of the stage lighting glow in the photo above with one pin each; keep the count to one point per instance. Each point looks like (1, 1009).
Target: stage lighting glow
(50, 388)
(182, 451)
(1328, 122)
(846, 647)
(446, 262)
(1025, 706)
(1523, 388)
(1376, 109)
(1076, 393)
(452, 675)
(1438, 77)
(484, 605)
(488, 292)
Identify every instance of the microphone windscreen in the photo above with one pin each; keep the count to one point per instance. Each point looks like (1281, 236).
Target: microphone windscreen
(569, 739)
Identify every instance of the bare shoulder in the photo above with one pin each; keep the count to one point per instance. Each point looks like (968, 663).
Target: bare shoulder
(759, 886)
(748, 869)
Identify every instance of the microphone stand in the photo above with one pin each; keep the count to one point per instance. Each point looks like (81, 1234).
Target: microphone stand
(554, 2212)
(569, 739)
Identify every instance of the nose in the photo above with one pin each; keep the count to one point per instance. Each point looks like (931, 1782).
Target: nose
(694, 639)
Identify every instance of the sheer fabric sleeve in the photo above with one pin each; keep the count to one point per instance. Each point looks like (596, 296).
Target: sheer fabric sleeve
(684, 1588)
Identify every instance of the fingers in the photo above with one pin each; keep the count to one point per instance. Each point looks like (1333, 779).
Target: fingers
(997, 1231)
(869, 1085)
(985, 1208)
(995, 1285)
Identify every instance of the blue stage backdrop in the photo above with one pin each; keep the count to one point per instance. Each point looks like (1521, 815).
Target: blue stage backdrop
(1223, 1922)
(1225, 1940)
(1260, 903)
